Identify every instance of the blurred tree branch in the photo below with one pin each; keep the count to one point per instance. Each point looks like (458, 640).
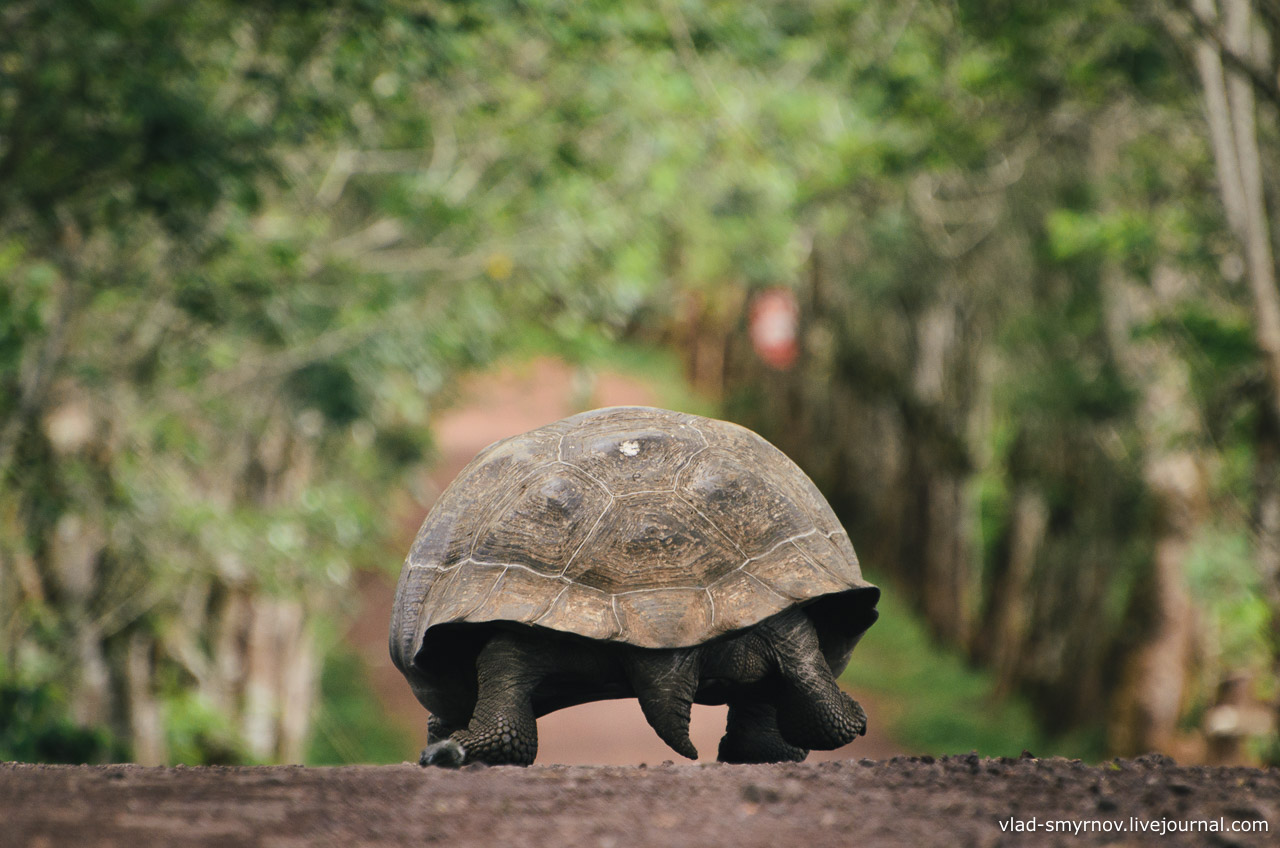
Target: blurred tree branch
(37, 374)
(1245, 58)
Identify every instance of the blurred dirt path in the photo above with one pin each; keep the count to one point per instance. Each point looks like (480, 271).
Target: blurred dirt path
(504, 403)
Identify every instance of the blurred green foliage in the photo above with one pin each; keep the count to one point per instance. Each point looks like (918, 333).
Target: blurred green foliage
(198, 733)
(935, 702)
(1224, 578)
(351, 725)
(35, 727)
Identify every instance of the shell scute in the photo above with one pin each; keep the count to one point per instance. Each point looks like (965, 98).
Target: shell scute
(582, 610)
(653, 541)
(655, 615)
(741, 502)
(790, 572)
(827, 553)
(543, 520)
(520, 594)
(459, 592)
(631, 452)
(741, 600)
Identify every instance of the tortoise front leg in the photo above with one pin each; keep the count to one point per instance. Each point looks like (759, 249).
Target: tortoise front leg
(502, 730)
(752, 736)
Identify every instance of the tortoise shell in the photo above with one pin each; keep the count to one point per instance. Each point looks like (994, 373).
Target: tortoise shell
(641, 526)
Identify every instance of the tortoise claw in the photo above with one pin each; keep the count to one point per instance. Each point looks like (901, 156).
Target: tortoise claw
(859, 715)
(446, 753)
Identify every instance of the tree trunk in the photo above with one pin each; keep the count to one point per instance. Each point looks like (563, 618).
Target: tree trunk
(1155, 675)
(146, 720)
(1004, 637)
(1267, 530)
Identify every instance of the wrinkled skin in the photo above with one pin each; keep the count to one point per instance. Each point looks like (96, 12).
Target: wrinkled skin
(782, 695)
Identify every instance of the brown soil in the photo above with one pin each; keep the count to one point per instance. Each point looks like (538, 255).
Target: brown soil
(901, 802)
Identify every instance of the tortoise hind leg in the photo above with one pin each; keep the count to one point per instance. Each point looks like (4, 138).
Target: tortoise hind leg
(752, 736)
(502, 730)
(813, 712)
(665, 682)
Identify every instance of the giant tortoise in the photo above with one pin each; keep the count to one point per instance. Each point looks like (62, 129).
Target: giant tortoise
(632, 552)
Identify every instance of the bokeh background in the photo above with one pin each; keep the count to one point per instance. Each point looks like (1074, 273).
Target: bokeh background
(1001, 276)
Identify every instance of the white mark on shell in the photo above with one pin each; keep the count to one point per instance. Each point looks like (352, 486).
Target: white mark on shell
(629, 448)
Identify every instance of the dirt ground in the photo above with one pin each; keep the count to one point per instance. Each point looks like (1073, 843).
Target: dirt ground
(962, 801)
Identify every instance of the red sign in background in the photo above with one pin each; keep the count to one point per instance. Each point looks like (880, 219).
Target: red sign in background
(774, 322)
